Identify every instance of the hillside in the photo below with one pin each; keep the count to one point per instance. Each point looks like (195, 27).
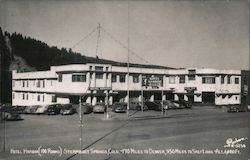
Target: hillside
(23, 53)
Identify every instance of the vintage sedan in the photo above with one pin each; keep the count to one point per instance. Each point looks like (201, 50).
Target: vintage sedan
(119, 107)
(99, 107)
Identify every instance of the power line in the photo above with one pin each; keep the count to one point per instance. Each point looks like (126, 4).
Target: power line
(125, 47)
(84, 38)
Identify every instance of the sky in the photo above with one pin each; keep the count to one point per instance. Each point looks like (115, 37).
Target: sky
(183, 33)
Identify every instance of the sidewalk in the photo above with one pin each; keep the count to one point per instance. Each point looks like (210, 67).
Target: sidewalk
(139, 115)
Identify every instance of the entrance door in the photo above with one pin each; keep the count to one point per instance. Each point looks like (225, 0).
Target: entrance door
(208, 97)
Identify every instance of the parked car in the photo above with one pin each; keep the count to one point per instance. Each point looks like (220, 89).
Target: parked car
(67, 109)
(54, 109)
(137, 105)
(9, 114)
(236, 108)
(180, 103)
(167, 104)
(119, 107)
(12, 116)
(20, 109)
(42, 109)
(156, 105)
(86, 108)
(31, 109)
(99, 107)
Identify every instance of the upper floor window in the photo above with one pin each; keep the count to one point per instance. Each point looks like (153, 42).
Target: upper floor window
(191, 77)
(191, 71)
(13, 83)
(78, 78)
(107, 68)
(53, 99)
(23, 83)
(135, 79)
(122, 78)
(228, 79)
(60, 77)
(90, 68)
(208, 80)
(222, 79)
(27, 84)
(99, 75)
(98, 68)
(38, 83)
(237, 81)
(43, 83)
(38, 97)
(114, 79)
(171, 79)
(182, 79)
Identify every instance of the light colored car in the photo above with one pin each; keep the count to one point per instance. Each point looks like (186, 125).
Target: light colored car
(42, 109)
(99, 108)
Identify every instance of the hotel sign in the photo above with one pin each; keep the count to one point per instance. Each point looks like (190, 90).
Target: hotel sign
(151, 81)
(99, 88)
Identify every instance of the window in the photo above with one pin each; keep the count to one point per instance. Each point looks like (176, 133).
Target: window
(27, 96)
(53, 99)
(38, 97)
(51, 82)
(90, 68)
(222, 79)
(99, 75)
(228, 79)
(236, 80)
(135, 79)
(23, 96)
(13, 83)
(60, 77)
(191, 77)
(98, 68)
(43, 83)
(182, 79)
(171, 79)
(107, 68)
(43, 98)
(78, 78)
(122, 78)
(13, 95)
(23, 83)
(38, 83)
(191, 71)
(114, 79)
(208, 80)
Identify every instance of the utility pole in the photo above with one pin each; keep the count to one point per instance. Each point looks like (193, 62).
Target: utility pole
(128, 64)
(81, 123)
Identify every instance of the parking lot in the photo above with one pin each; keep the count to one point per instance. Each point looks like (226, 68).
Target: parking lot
(197, 133)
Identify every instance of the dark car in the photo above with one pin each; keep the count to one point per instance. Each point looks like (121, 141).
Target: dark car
(54, 109)
(119, 107)
(236, 108)
(67, 109)
(9, 114)
(156, 105)
(183, 103)
(99, 107)
(167, 104)
(20, 109)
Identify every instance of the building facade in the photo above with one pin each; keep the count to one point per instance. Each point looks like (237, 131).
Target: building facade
(95, 82)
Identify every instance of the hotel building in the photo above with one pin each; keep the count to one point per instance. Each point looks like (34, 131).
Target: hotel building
(95, 82)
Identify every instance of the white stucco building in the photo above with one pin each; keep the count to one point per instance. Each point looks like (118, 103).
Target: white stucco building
(65, 83)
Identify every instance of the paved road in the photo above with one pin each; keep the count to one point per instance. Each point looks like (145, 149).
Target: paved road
(181, 134)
